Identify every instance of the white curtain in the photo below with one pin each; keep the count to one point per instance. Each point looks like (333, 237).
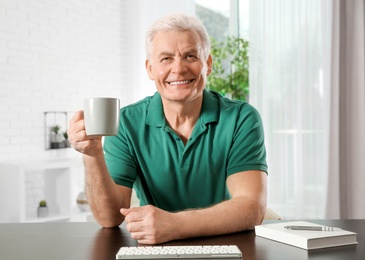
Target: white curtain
(307, 68)
(290, 44)
(346, 165)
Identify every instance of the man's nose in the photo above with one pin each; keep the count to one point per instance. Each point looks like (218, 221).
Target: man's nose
(178, 66)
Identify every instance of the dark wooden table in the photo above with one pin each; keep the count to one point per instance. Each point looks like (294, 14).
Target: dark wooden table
(87, 240)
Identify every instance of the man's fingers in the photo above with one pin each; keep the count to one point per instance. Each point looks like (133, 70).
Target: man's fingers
(142, 223)
(124, 211)
(79, 115)
(135, 227)
(133, 214)
(77, 126)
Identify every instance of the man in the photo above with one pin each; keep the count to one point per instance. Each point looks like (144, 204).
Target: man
(196, 159)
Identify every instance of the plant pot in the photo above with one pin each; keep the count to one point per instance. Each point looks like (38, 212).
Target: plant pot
(56, 138)
(66, 143)
(42, 212)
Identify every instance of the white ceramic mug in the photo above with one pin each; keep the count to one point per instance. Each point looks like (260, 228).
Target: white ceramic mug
(101, 116)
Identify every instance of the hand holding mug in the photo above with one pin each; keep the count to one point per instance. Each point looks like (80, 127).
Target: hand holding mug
(99, 118)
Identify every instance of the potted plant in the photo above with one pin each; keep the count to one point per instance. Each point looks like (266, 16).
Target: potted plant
(42, 211)
(230, 75)
(66, 141)
(56, 139)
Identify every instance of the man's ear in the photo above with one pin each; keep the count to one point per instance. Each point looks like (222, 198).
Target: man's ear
(149, 69)
(209, 64)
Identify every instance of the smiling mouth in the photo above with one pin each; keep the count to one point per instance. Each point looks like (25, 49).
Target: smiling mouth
(181, 82)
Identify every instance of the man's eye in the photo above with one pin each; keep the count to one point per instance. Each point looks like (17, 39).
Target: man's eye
(165, 59)
(191, 57)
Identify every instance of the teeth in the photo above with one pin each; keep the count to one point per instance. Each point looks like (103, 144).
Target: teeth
(179, 82)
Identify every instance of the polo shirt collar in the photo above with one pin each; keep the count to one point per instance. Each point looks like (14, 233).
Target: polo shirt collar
(209, 113)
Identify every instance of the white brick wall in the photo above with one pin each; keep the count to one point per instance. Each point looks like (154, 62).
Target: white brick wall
(34, 186)
(53, 54)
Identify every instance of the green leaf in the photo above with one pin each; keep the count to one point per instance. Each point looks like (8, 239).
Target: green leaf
(230, 72)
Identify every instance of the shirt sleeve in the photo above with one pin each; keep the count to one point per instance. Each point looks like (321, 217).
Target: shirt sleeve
(248, 148)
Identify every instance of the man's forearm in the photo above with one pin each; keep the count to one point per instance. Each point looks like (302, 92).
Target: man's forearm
(233, 215)
(104, 196)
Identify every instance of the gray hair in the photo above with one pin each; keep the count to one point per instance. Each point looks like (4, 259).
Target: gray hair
(178, 22)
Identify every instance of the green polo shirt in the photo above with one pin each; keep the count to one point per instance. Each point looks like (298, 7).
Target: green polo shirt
(147, 154)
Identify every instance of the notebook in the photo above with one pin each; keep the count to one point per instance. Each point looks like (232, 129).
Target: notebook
(307, 239)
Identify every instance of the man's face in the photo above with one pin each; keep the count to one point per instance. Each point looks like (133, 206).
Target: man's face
(177, 66)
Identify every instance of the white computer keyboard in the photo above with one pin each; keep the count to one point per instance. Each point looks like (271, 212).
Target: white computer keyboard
(180, 252)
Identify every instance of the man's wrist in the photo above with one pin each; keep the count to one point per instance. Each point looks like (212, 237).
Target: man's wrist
(186, 223)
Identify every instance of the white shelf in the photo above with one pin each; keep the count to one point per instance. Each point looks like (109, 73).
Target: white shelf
(49, 219)
(46, 164)
(59, 177)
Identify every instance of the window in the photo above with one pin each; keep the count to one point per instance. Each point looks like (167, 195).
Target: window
(288, 64)
(224, 18)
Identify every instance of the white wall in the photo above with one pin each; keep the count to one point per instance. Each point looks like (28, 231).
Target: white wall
(53, 54)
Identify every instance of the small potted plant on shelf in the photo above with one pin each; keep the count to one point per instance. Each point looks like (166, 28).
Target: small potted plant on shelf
(56, 139)
(42, 209)
(66, 141)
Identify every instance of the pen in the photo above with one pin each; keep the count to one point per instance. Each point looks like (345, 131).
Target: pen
(310, 228)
